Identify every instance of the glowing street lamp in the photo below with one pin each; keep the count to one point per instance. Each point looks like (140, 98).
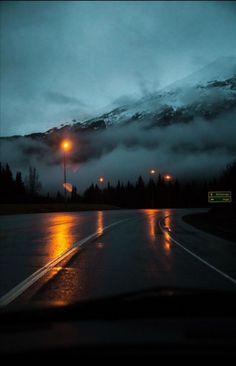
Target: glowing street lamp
(152, 172)
(66, 145)
(168, 177)
(101, 179)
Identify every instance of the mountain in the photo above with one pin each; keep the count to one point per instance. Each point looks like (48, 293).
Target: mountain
(206, 94)
(187, 128)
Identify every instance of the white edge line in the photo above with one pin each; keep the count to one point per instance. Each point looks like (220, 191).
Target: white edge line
(196, 256)
(29, 281)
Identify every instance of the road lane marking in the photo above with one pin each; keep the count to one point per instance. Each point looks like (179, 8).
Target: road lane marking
(231, 279)
(29, 281)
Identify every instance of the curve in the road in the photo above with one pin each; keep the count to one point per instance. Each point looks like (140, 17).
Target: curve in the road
(231, 279)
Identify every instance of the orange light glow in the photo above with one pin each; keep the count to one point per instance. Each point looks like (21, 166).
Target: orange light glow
(68, 187)
(168, 177)
(66, 144)
(151, 217)
(61, 236)
(167, 219)
(100, 223)
(101, 179)
(152, 171)
(60, 233)
(167, 245)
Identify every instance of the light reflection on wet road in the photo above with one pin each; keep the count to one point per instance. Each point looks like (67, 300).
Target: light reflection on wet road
(151, 216)
(130, 256)
(28, 242)
(60, 235)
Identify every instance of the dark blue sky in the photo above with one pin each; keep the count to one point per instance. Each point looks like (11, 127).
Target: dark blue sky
(64, 60)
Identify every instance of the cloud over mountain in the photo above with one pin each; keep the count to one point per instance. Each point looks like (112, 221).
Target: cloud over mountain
(187, 129)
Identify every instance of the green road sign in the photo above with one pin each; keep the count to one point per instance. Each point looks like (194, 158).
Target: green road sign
(219, 196)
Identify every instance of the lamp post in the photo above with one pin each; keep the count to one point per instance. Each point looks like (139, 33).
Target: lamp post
(65, 147)
(168, 178)
(101, 181)
(152, 172)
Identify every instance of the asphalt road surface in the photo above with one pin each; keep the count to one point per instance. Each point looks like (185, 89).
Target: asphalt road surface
(61, 258)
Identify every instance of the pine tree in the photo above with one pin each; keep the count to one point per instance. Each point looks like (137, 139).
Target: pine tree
(19, 185)
(74, 194)
(32, 182)
(7, 184)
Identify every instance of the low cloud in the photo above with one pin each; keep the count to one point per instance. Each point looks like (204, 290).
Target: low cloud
(199, 149)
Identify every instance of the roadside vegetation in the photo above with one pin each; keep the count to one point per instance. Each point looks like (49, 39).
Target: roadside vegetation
(25, 195)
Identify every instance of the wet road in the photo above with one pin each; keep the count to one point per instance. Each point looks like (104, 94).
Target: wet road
(131, 255)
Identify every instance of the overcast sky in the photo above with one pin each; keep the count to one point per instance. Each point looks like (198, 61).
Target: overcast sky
(64, 60)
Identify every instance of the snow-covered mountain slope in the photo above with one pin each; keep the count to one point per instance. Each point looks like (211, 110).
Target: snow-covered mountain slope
(177, 105)
(207, 93)
(188, 127)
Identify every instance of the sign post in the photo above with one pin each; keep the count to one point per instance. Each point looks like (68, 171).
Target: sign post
(220, 197)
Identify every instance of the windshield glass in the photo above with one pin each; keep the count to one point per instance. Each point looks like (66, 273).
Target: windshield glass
(118, 154)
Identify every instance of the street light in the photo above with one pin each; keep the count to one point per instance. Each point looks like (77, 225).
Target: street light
(66, 145)
(101, 179)
(167, 177)
(152, 172)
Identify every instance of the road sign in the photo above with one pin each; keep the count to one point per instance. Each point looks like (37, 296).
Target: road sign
(219, 196)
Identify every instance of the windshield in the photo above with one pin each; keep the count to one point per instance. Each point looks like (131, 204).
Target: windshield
(118, 154)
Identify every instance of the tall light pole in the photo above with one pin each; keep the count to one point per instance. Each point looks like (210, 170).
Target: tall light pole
(101, 181)
(152, 172)
(65, 147)
(168, 178)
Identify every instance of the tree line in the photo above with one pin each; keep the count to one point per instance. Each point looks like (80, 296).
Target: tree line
(157, 192)
(14, 189)
(160, 193)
